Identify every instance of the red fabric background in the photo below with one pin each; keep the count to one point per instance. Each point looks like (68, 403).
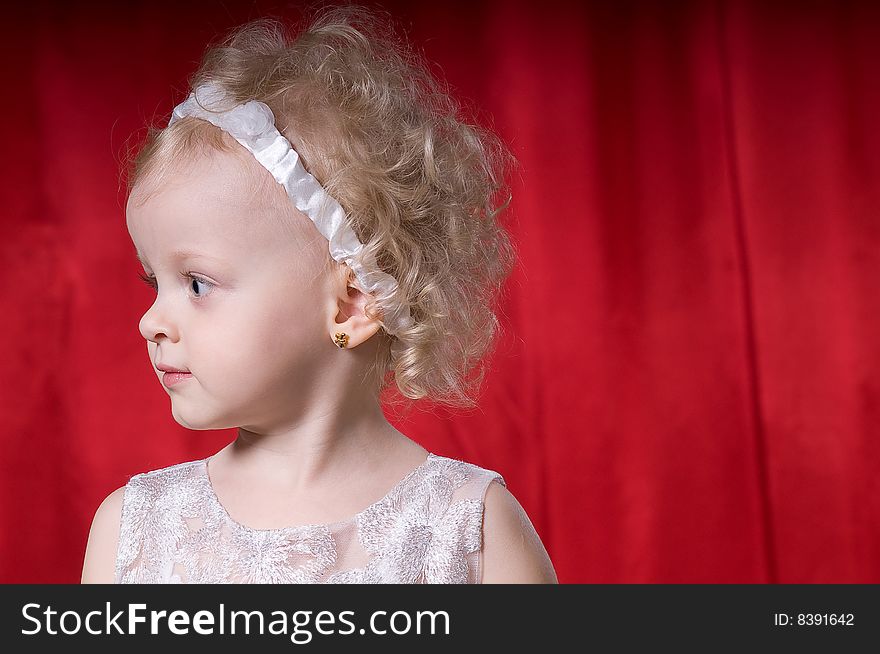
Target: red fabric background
(687, 389)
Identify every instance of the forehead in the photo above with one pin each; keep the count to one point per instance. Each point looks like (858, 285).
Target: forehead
(219, 203)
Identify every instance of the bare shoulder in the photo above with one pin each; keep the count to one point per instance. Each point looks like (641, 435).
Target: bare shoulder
(100, 559)
(512, 550)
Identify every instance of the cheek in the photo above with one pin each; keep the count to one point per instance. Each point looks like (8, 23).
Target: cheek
(265, 334)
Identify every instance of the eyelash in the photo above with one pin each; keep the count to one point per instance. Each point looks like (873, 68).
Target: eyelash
(150, 281)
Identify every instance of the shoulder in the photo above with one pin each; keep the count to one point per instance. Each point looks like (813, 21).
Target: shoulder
(162, 479)
(100, 557)
(143, 492)
(512, 550)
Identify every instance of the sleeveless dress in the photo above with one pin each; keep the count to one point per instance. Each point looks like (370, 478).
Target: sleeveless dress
(427, 529)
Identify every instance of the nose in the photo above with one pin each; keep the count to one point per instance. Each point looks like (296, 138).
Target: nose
(155, 323)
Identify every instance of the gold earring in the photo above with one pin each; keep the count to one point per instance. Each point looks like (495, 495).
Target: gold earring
(341, 339)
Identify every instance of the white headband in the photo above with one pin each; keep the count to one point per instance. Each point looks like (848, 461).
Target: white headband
(253, 125)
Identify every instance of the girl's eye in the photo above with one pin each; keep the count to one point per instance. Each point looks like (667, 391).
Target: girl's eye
(150, 280)
(195, 281)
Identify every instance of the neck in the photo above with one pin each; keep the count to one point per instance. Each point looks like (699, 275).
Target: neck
(312, 451)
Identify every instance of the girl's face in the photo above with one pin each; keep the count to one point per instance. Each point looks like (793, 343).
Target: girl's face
(242, 294)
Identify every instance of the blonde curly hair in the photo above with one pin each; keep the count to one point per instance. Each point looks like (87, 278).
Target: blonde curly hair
(388, 141)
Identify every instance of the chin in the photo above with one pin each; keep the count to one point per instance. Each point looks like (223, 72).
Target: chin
(199, 421)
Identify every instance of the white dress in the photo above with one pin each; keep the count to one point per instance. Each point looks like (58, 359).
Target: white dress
(426, 529)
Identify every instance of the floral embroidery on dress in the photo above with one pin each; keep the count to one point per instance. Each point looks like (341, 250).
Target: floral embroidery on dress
(426, 529)
(417, 534)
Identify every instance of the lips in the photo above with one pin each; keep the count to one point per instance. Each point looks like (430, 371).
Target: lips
(170, 379)
(170, 369)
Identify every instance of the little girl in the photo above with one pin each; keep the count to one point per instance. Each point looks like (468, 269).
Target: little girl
(339, 136)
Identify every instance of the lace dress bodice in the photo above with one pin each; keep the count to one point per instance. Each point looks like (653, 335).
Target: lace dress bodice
(426, 529)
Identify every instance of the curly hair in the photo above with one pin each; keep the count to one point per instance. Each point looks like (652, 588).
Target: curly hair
(419, 180)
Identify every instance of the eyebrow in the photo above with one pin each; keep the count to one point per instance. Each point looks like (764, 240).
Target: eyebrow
(181, 254)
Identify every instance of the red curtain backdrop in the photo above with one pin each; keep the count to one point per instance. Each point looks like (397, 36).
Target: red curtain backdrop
(687, 388)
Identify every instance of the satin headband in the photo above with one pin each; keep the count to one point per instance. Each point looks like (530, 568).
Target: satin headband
(253, 125)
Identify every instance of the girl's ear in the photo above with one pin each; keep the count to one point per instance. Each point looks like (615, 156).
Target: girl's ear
(349, 326)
